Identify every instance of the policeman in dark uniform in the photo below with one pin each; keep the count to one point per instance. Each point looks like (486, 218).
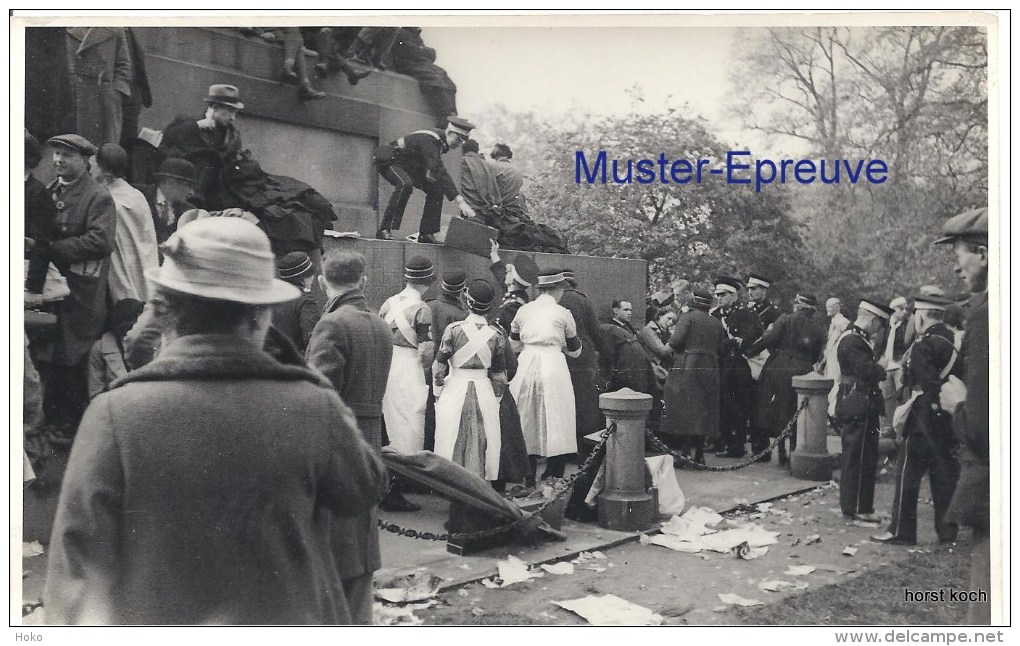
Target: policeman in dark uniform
(758, 302)
(859, 405)
(415, 161)
(516, 278)
(736, 398)
(928, 443)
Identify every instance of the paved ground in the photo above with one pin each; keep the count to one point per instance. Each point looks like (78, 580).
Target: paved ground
(682, 587)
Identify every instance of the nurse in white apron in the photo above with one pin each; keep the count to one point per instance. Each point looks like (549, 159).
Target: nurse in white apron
(546, 331)
(468, 376)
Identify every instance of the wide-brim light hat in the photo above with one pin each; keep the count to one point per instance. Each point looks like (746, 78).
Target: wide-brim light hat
(227, 259)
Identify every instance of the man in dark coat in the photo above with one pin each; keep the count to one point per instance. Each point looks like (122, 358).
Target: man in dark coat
(515, 278)
(141, 94)
(736, 397)
(292, 213)
(758, 301)
(101, 74)
(927, 443)
(691, 395)
(201, 487)
(796, 342)
(858, 407)
(968, 233)
(412, 57)
(40, 220)
(351, 346)
(169, 197)
(297, 318)
(447, 308)
(86, 227)
(625, 360)
(585, 375)
(415, 161)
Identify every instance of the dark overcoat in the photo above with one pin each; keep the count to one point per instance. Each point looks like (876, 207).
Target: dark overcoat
(196, 490)
(101, 74)
(628, 364)
(86, 226)
(691, 396)
(585, 376)
(971, 500)
(352, 346)
(795, 343)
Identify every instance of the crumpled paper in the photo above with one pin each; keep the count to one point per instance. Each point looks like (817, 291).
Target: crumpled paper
(799, 570)
(512, 570)
(402, 615)
(736, 599)
(414, 587)
(563, 567)
(777, 585)
(611, 610)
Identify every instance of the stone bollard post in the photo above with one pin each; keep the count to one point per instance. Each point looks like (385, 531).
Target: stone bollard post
(625, 503)
(811, 459)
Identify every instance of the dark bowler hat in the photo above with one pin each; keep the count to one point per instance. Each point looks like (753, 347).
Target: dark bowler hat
(178, 168)
(453, 281)
(807, 300)
(525, 270)
(479, 296)
(294, 266)
(77, 143)
(971, 226)
(460, 125)
(876, 308)
(419, 269)
(225, 94)
(701, 299)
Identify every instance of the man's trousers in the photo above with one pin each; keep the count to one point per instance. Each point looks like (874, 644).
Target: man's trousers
(403, 186)
(859, 463)
(927, 449)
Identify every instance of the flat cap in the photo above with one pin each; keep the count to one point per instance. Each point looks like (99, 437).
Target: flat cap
(727, 284)
(460, 125)
(969, 225)
(701, 299)
(931, 302)
(757, 280)
(74, 142)
(525, 270)
(807, 300)
(876, 308)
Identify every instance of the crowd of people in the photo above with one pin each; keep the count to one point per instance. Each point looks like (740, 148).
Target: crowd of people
(228, 426)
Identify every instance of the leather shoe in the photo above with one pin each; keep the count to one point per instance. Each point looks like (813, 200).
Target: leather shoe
(867, 518)
(384, 234)
(428, 238)
(354, 77)
(307, 93)
(891, 539)
(397, 502)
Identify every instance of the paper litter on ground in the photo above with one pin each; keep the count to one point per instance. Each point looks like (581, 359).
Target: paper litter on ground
(746, 552)
(812, 539)
(849, 551)
(777, 585)
(403, 615)
(417, 586)
(511, 571)
(563, 567)
(736, 599)
(799, 570)
(31, 549)
(611, 610)
(723, 541)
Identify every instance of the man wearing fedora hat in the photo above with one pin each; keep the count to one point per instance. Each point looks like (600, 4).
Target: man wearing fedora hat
(857, 406)
(169, 197)
(297, 318)
(796, 342)
(415, 161)
(971, 504)
(86, 225)
(201, 484)
(293, 214)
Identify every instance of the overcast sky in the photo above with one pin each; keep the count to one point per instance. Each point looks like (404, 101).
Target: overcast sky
(556, 71)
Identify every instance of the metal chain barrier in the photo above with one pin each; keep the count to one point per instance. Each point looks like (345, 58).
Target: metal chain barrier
(659, 446)
(399, 530)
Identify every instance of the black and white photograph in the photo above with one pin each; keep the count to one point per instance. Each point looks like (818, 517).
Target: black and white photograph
(452, 318)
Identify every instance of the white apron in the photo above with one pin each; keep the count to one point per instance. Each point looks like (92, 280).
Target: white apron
(403, 403)
(545, 400)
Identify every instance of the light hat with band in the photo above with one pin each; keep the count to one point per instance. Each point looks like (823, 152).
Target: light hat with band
(551, 278)
(931, 302)
(226, 259)
(226, 95)
(460, 126)
(479, 296)
(897, 302)
(726, 284)
(294, 266)
(453, 281)
(756, 280)
(419, 269)
(876, 308)
(806, 300)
